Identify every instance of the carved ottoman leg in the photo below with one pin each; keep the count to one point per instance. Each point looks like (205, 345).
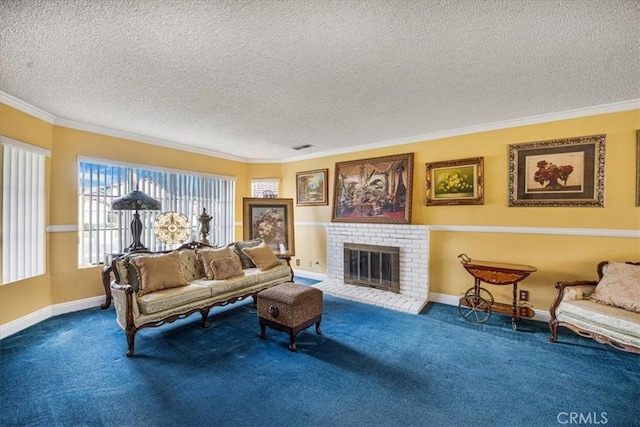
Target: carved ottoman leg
(318, 331)
(292, 345)
(261, 335)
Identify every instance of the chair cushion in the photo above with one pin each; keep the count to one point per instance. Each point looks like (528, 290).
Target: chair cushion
(262, 256)
(205, 256)
(225, 268)
(619, 287)
(158, 272)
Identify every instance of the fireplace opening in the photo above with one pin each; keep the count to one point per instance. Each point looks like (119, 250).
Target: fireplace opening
(372, 266)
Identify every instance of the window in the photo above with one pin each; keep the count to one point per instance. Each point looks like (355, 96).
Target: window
(23, 210)
(104, 231)
(267, 188)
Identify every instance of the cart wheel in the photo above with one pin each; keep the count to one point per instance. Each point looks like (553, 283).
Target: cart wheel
(474, 309)
(514, 326)
(482, 292)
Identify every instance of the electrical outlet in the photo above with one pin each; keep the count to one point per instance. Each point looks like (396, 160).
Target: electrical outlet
(310, 264)
(524, 295)
(297, 263)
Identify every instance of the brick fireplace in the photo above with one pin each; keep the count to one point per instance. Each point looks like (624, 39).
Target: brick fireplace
(413, 244)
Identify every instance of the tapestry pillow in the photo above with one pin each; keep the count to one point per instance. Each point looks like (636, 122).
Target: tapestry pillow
(158, 272)
(225, 268)
(244, 259)
(620, 286)
(262, 256)
(189, 265)
(205, 256)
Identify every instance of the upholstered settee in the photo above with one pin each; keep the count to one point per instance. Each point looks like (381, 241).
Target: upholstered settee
(607, 310)
(150, 289)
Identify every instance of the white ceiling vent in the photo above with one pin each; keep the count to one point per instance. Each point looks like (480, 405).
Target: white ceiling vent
(301, 147)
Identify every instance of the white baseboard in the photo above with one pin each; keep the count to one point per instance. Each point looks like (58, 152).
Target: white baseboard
(45, 313)
(540, 315)
(309, 275)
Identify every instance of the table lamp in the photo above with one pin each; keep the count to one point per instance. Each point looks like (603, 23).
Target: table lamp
(136, 201)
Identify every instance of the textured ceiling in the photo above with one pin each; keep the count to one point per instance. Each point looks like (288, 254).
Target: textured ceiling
(253, 78)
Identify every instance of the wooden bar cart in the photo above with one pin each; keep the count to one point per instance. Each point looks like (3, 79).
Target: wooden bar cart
(477, 304)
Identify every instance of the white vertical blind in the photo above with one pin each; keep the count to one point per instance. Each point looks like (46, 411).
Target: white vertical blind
(23, 211)
(105, 231)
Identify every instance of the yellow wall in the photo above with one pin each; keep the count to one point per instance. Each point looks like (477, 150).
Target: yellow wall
(25, 296)
(557, 257)
(64, 281)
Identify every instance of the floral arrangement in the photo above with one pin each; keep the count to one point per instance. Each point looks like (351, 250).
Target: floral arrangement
(270, 227)
(550, 174)
(455, 182)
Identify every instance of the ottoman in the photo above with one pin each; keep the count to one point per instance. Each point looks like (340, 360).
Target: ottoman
(291, 308)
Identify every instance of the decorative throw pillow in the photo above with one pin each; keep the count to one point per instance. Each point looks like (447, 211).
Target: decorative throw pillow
(158, 272)
(262, 256)
(205, 256)
(620, 286)
(189, 265)
(225, 268)
(244, 259)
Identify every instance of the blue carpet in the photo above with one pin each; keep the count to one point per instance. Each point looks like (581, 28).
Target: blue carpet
(371, 367)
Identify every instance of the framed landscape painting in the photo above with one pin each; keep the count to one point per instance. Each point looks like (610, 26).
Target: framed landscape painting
(374, 190)
(270, 220)
(311, 188)
(455, 182)
(562, 172)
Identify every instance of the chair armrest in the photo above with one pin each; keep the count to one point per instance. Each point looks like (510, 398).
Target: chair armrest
(572, 291)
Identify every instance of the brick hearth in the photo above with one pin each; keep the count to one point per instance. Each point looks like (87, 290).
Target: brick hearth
(413, 241)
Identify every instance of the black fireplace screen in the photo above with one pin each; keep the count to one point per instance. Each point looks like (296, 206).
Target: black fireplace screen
(372, 266)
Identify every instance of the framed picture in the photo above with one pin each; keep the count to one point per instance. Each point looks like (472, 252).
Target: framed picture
(455, 182)
(311, 188)
(562, 172)
(374, 190)
(638, 169)
(270, 220)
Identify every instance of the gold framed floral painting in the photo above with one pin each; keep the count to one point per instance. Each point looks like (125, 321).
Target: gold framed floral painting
(562, 172)
(270, 220)
(455, 182)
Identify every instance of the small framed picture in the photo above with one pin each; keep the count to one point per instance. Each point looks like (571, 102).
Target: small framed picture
(562, 172)
(455, 182)
(311, 188)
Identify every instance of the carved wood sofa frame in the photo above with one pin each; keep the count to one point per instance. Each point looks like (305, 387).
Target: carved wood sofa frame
(602, 339)
(131, 329)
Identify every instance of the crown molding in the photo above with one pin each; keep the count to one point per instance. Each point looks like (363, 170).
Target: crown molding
(614, 107)
(20, 105)
(72, 124)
